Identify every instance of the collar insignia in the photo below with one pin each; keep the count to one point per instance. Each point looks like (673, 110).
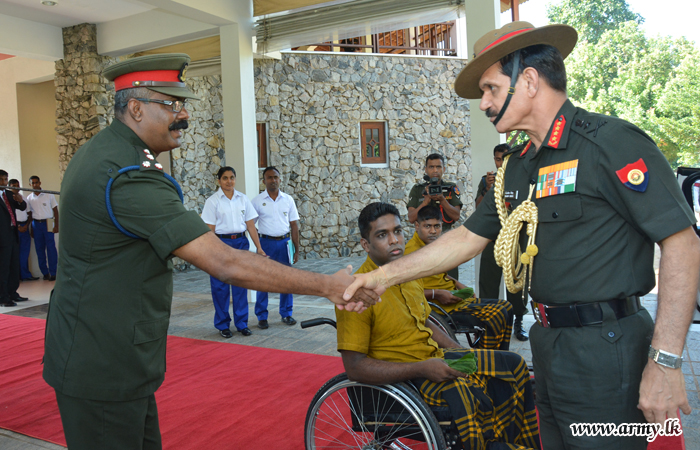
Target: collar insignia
(557, 131)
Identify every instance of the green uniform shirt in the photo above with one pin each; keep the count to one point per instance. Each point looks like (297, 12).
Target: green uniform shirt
(109, 312)
(596, 241)
(415, 198)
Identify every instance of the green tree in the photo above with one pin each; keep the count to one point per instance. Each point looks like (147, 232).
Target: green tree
(592, 18)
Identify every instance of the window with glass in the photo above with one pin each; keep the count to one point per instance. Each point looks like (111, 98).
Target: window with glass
(262, 145)
(373, 142)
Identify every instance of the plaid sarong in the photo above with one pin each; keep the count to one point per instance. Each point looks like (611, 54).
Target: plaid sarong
(494, 316)
(493, 407)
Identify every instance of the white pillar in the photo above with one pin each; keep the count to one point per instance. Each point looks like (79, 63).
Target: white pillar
(482, 17)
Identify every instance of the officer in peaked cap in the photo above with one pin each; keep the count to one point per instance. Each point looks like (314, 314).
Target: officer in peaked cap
(596, 194)
(122, 221)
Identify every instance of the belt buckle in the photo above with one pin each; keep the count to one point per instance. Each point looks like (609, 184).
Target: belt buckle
(540, 312)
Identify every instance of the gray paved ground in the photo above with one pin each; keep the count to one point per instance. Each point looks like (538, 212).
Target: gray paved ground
(192, 317)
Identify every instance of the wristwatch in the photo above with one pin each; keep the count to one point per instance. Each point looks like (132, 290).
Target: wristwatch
(665, 359)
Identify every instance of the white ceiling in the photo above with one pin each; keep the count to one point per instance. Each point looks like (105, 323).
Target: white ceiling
(67, 13)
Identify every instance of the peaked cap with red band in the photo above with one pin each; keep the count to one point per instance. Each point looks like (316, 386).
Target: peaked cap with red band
(496, 44)
(164, 73)
(634, 176)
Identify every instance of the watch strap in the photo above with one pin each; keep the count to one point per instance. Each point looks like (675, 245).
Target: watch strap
(665, 359)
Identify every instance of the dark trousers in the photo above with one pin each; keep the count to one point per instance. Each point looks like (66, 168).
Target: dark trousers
(45, 246)
(9, 271)
(490, 275)
(103, 425)
(277, 251)
(222, 292)
(590, 375)
(25, 246)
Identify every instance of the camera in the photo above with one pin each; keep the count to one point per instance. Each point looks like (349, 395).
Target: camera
(435, 186)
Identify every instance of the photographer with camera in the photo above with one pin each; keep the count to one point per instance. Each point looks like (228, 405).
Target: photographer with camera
(436, 192)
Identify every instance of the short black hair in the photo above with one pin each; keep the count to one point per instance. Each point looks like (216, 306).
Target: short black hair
(223, 170)
(270, 168)
(429, 212)
(501, 148)
(546, 59)
(3, 173)
(435, 156)
(34, 177)
(12, 181)
(121, 99)
(372, 212)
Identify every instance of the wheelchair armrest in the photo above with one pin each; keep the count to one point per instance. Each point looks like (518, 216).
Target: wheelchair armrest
(316, 322)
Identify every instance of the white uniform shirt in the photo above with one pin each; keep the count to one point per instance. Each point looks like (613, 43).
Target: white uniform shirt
(21, 216)
(41, 206)
(274, 215)
(228, 216)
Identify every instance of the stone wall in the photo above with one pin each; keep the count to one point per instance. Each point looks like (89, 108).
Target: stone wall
(313, 103)
(84, 98)
(196, 163)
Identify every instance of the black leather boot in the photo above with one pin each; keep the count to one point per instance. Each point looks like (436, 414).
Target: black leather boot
(518, 329)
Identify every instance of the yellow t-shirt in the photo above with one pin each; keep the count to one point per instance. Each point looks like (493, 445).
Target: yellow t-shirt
(392, 330)
(439, 281)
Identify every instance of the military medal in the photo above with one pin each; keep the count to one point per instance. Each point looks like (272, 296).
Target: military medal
(634, 176)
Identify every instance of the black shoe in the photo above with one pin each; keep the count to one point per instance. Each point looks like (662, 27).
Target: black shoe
(46, 277)
(19, 299)
(30, 279)
(8, 304)
(263, 325)
(246, 331)
(52, 278)
(520, 333)
(226, 333)
(289, 320)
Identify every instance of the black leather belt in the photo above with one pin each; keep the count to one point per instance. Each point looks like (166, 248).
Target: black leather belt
(582, 314)
(21, 222)
(40, 220)
(231, 236)
(275, 238)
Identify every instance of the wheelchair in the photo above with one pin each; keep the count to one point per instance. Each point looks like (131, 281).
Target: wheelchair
(345, 414)
(446, 323)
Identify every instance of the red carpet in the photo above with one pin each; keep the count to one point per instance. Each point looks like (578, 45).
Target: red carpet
(215, 395)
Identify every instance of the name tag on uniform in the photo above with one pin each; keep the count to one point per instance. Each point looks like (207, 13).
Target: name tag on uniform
(557, 179)
(510, 195)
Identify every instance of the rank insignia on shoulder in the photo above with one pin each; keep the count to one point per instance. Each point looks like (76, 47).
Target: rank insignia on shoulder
(146, 164)
(634, 176)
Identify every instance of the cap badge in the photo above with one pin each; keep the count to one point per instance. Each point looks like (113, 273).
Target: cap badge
(182, 76)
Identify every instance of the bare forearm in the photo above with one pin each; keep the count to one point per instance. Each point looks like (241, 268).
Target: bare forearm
(442, 339)
(678, 286)
(295, 235)
(368, 370)
(253, 232)
(413, 213)
(450, 250)
(249, 270)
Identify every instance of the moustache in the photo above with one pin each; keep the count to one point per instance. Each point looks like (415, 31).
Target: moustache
(179, 125)
(491, 113)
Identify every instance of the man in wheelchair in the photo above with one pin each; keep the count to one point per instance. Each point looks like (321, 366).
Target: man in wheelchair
(494, 316)
(391, 342)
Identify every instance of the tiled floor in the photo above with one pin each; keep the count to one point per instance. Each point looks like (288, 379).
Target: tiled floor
(192, 317)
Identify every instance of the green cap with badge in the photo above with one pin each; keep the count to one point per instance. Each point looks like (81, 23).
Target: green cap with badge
(164, 73)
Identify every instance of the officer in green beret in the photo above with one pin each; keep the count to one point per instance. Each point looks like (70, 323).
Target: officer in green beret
(590, 194)
(122, 221)
(447, 200)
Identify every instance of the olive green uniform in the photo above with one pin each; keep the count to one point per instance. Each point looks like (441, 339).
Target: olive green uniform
(596, 243)
(109, 312)
(415, 198)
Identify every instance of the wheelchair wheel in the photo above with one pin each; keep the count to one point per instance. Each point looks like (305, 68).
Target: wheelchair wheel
(349, 415)
(441, 322)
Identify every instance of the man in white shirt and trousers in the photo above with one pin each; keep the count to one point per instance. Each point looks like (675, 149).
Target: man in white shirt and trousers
(42, 208)
(277, 221)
